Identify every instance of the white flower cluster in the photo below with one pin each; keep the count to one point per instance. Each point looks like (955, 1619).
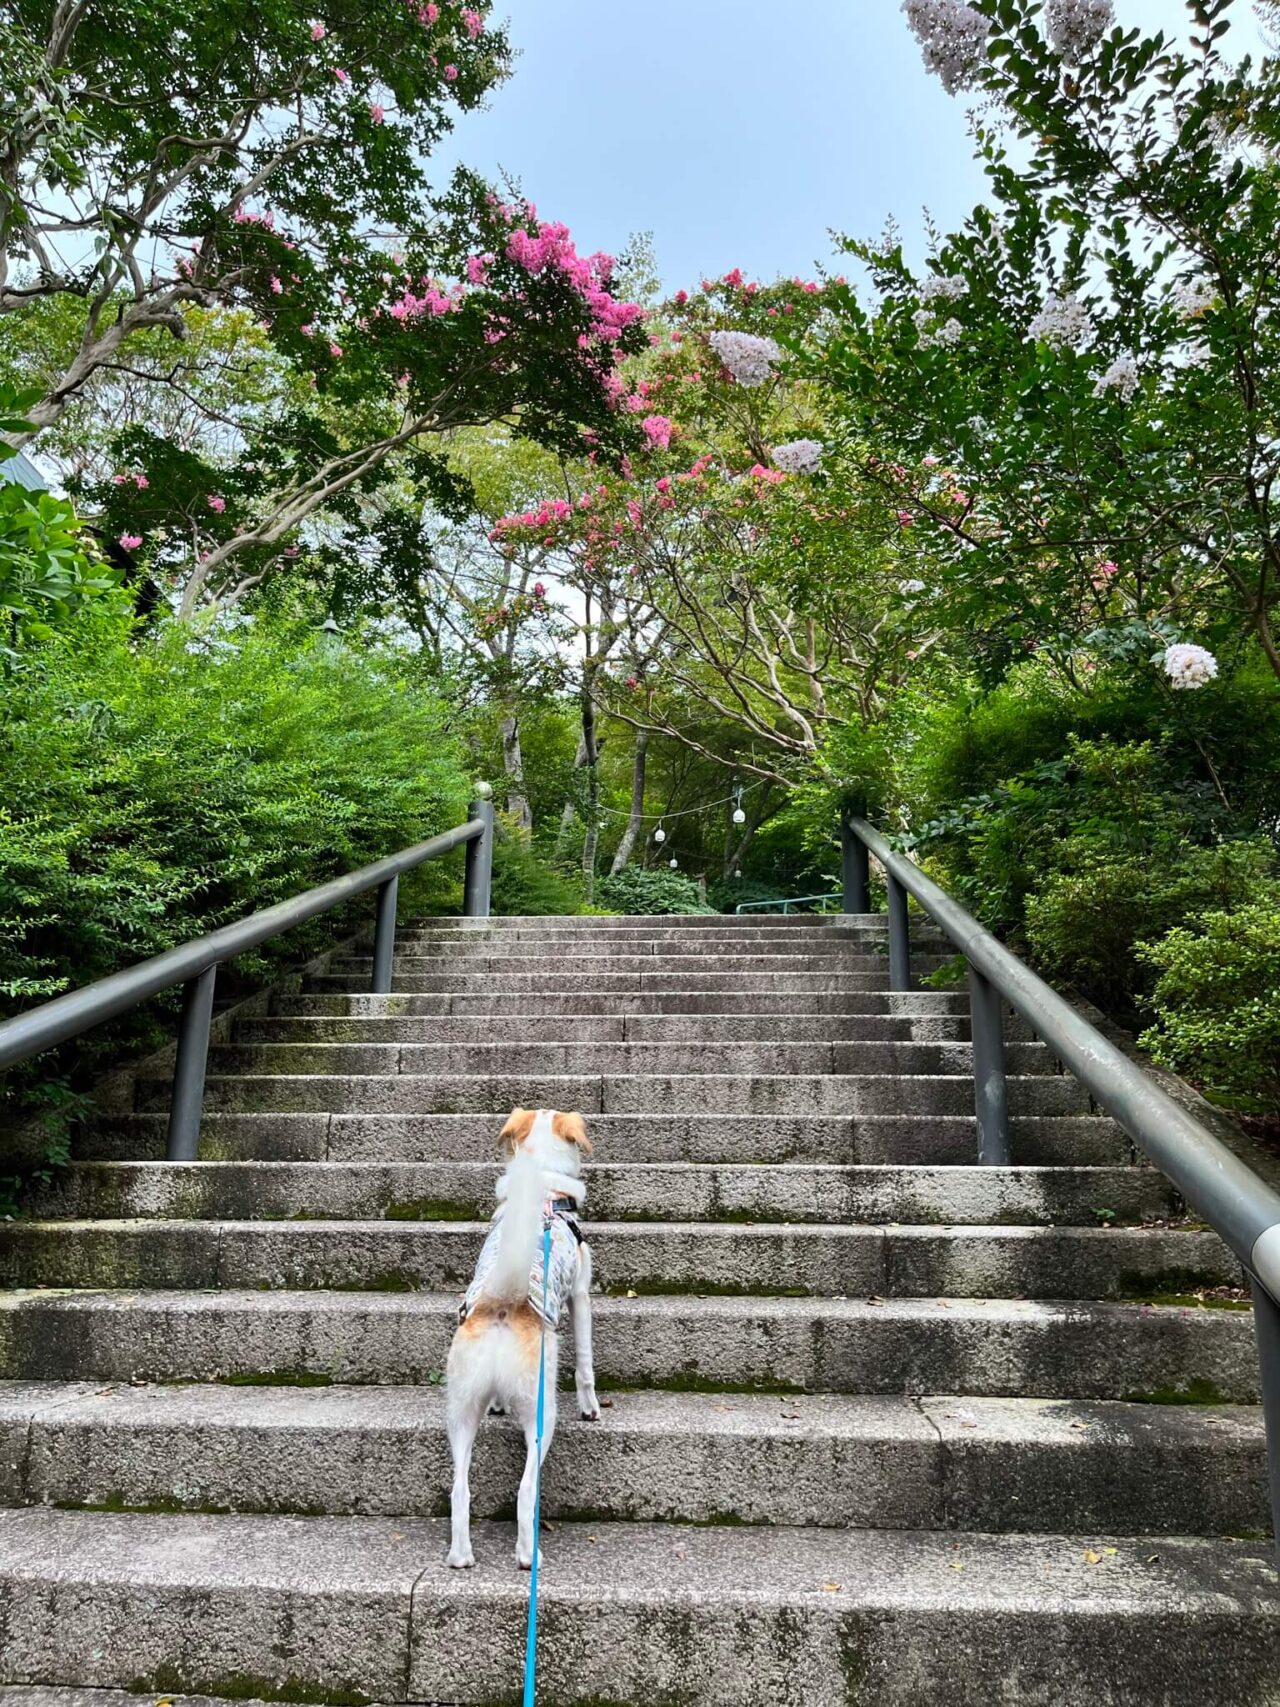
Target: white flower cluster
(1077, 26)
(748, 358)
(909, 589)
(949, 287)
(952, 37)
(801, 456)
(1121, 376)
(1193, 299)
(1064, 320)
(1189, 666)
(948, 333)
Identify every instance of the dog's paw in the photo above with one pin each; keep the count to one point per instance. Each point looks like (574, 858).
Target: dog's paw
(525, 1560)
(462, 1561)
(588, 1404)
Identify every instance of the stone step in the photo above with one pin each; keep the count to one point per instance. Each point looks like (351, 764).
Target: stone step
(853, 948)
(647, 1258)
(606, 1028)
(692, 1093)
(366, 1608)
(649, 1059)
(875, 1462)
(628, 985)
(994, 1348)
(589, 924)
(556, 1002)
(567, 968)
(1052, 1140)
(626, 1191)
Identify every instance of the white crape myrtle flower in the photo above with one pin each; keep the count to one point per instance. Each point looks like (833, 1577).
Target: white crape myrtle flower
(1189, 666)
(950, 286)
(748, 358)
(1077, 26)
(933, 331)
(1193, 299)
(952, 37)
(1121, 376)
(910, 588)
(1064, 320)
(801, 456)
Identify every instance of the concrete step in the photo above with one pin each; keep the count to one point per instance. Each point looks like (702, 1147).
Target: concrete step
(618, 1191)
(558, 1001)
(649, 1258)
(621, 1093)
(650, 1059)
(570, 967)
(647, 946)
(994, 1348)
(590, 924)
(605, 1028)
(835, 1461)
(879, 1139)
(355, 1608)
(744, 985)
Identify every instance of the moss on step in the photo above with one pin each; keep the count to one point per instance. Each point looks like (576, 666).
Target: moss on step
(1204, 1300)
(276, 1378)
(1133, 1284)
(656, 1286)
(690, 1383)
(236, 1686)
(1197, 1392)
(432, 1209)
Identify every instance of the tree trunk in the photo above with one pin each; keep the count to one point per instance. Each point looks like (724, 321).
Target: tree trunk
(626, 847)
(570, 810)
(513, 764)
(592, 837)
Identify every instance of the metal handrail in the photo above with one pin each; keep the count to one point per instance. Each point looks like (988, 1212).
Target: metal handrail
(194, 965)
(786, 902)
(1236, 1202)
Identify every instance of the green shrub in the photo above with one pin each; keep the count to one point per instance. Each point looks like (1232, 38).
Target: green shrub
(636, 889)
(731, 892)
(1217, 1002)
(153, 792)
(523, 885)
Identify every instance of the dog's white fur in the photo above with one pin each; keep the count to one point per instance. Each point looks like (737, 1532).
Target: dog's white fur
(494, 1356)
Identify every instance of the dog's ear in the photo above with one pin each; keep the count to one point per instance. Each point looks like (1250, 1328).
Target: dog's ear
(573, 1129)
(519, 1126)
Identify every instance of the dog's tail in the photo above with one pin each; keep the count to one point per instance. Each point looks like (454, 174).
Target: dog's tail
(508, 1280)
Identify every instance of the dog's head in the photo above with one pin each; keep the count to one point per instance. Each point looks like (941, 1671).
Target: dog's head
(568, 1128)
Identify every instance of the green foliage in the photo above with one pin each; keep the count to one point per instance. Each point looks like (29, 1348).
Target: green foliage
(1217, 1000)
(639, 890)
(524, 885)
(152, 795)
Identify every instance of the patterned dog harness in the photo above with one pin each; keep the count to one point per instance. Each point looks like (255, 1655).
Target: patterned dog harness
(566, 1236)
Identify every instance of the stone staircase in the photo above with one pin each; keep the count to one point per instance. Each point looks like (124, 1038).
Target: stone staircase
(882, 1427)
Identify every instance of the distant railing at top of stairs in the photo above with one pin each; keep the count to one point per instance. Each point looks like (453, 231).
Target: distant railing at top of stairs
(792, 904)
(1236, 1202)
(195, 964)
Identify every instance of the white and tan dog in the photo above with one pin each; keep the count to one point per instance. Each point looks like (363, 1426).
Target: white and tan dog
(494, 1356)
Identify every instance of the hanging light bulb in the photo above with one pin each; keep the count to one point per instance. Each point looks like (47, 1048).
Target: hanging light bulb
(739, 816)
(659, 835)
(737, 874)
(675, 865)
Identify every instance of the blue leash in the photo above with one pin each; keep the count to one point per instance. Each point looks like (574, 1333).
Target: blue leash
(531, 1638)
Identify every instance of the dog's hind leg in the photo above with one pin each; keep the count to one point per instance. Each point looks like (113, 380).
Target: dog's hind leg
(529, 1481)
(584, 1372)
(463, 1421)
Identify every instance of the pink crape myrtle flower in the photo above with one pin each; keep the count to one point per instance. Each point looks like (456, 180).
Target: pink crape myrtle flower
(658, 430)
(451, 74)
(335, 350)
(429, 14)
(377, 112)
(318, 32)
(341, 75)
(216, 502)
(130, 541)
(276, 287)
(473, 23)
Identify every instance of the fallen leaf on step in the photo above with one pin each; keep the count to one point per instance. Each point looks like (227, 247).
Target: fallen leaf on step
(1110, 1552)
(832, 1588)
(957, 1564)
(874, 1299)
(606, 1404)
(1152, 1558)
(630, 1294)
(1092, 1558)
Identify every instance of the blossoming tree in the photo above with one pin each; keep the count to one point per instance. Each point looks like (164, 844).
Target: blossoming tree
(156, 157)
(1074, 402)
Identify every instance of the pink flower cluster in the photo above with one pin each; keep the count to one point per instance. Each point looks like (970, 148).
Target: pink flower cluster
(543, 247)
(546, 516)
(139, 480)
(658, 430)
(431, 302)
(130, 541)
(473, 23)
(216, 502)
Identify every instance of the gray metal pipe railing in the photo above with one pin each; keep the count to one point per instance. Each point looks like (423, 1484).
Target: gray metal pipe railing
(1239, 1205)
(194, 965)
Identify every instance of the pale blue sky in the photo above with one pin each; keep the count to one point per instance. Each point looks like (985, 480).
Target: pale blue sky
(737, 131)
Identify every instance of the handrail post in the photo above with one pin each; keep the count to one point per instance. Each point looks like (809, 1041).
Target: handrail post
(899, 936)
(477, 890)
(187, 1103)
(857, 871)
(1266, 1321)
(384, 938)
(990, 1087)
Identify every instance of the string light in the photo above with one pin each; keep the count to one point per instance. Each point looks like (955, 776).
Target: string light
(675, 865)
(739, 816)
(659, 835)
